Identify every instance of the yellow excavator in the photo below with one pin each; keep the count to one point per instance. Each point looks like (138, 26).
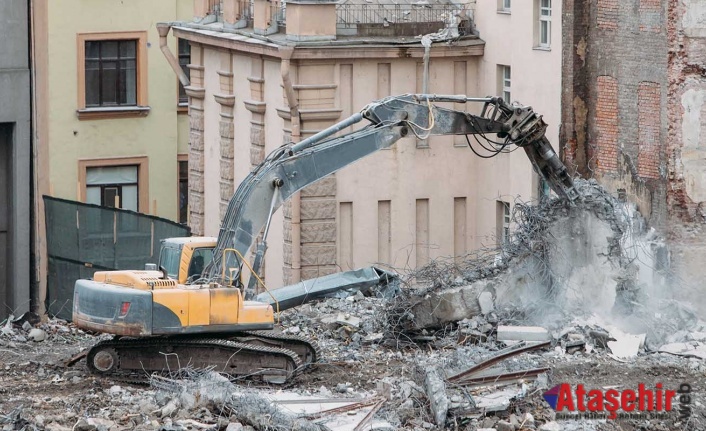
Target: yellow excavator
(195, 309)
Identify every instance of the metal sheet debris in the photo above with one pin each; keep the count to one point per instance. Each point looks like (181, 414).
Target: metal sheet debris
(359, 280)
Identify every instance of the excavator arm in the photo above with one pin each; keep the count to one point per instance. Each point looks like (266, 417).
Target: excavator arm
(292, 167)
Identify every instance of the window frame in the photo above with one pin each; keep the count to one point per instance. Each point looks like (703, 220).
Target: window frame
(544, 19)
(141, 108)
(142, 177)
(182, 158)
(504, 89)
(504, 6)
(183, 105)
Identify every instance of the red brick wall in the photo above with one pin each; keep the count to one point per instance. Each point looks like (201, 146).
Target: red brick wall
(648, 125)
(607, 123)
(607, 14)
(650, 5)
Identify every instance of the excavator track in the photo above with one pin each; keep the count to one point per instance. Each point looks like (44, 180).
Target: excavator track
(307, 349)
(135, 360)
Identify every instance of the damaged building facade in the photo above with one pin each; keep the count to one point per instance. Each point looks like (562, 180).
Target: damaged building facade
(633, 111)
(259, 80)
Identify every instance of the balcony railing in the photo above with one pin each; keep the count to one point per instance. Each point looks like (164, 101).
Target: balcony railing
(277, 11)
(349, 15)
(215, 7)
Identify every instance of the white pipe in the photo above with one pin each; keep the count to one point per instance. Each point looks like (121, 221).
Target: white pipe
(163, 30)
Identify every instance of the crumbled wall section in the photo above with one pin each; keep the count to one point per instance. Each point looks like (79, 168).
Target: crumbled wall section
(607, 123)
(687, 87)
(615, 57)
(648, 104)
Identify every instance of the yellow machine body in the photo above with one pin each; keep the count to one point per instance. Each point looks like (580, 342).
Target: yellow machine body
(141, 303)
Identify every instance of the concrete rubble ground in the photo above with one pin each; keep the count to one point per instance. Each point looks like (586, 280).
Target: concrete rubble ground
(580, 295)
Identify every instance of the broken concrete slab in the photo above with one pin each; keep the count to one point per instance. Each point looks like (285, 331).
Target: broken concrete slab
(692, 349)
(486, 302)
(435, 389)
(625, 345)
(450, 305)
(346, 319)
(522, 333)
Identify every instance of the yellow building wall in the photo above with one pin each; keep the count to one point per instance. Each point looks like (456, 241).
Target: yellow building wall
(159, 136)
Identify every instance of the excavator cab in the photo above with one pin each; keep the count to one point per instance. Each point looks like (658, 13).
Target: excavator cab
(184, 258)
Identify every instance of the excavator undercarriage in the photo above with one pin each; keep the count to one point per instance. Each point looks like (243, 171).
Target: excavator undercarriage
(259, 355)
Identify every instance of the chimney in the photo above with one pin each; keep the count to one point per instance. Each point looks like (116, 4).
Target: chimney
(309, 20)
(201, 9)
(234, 14)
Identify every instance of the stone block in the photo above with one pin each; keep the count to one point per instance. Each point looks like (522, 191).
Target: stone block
(227, 148)
(318, 209)
(226, 189)
(318, 232)
(196, 140)
(227, 170)
(226, 129)
(309, 272)
(318, 255)
(287, 230)
(195, 183)
(196, 121)
(325, 187)
(287, 253)
(257, 155)
(522, 333)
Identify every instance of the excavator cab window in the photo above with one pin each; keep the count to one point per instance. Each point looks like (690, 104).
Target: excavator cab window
(199, 260)
(169, 258)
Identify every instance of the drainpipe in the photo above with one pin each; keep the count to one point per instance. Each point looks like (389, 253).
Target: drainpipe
(163, 30)
(286, 53)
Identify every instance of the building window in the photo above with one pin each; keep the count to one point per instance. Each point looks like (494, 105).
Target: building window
(111, 73)
(504, 6)
(504, 80)
(183, 190)
(112, 70)
(184, 60)
(120, 182)
(502, 212)
(113, 186)
(544, 24)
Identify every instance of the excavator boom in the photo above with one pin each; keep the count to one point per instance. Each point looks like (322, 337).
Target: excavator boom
(295, 166)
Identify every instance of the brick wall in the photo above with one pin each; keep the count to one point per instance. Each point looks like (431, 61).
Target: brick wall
(607, 14)
(648, 104)
(607, 133)
(606, 112)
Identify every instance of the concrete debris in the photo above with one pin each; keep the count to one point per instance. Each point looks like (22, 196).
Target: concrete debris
(348, 320)
(626, 346)
(550, 426)
(522, 333)
(694, 349)
(37, 334)
(436, 392)
(486, 302)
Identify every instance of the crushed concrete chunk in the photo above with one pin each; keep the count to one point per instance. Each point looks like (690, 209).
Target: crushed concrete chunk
(625, 345)
(523, 333)
(37, 334)
(436, 392)
(486, 303)
(348, 320)
(550, 426)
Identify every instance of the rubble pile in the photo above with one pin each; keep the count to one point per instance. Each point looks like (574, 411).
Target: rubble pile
(580, 294)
